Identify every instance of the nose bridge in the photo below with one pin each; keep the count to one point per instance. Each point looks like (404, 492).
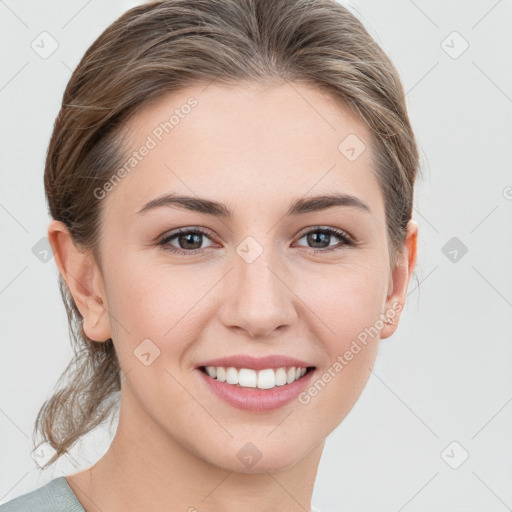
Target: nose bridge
(259, 300)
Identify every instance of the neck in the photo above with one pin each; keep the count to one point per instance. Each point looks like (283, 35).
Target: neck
(154, 471)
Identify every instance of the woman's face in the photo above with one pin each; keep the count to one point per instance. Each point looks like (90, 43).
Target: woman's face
(264, 280)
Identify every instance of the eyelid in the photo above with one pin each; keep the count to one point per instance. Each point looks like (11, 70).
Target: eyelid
(338, 231)
(347, 240)
(188, 229)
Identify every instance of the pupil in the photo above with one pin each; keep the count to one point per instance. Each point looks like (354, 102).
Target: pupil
(187, 239)
(313, 237)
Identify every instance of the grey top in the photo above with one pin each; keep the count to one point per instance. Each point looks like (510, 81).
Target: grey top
(55, 496)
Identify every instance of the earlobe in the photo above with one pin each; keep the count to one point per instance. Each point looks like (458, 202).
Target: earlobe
(400, 279)
(83, 278)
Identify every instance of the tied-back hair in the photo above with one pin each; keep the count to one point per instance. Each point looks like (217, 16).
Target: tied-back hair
(158, 48)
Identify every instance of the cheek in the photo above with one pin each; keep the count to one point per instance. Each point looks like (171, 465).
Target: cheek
(332, 394)
(166, 305)
(153, 321)
(161, 302)
(174, 306)
(349, 305)
(150, 299)
(349, 300)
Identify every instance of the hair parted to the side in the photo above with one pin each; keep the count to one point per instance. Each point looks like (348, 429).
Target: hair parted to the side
(161, 47)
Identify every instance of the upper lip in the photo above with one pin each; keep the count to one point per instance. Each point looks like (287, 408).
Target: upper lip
(256, 363)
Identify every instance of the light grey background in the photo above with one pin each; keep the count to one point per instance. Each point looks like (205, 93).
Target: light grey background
(444, 376)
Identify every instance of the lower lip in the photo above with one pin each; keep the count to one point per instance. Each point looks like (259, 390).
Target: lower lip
(255, 399)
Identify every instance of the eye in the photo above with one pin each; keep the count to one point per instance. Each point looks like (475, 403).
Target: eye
(188, 239)
(323, 235)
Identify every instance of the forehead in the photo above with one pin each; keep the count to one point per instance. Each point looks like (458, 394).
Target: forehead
(257, 143)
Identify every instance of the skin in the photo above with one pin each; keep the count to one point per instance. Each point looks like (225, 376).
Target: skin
(255, 148)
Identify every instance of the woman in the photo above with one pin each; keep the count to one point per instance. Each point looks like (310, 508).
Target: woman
(231, 188)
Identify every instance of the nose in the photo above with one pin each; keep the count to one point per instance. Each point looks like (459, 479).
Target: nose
(257, 298)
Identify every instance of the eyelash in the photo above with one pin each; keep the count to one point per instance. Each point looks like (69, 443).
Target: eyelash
(347, 241)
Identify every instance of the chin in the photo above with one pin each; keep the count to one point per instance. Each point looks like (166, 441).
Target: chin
(260, 455)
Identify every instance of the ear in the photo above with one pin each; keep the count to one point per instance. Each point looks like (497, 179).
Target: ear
(399, 280)
(84, 280)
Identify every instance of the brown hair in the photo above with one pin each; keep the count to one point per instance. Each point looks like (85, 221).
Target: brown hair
(161, 47)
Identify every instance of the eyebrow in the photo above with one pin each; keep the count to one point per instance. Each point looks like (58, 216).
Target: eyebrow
(214, 208)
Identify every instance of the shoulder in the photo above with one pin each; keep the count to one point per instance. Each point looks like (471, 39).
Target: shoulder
(55, 496)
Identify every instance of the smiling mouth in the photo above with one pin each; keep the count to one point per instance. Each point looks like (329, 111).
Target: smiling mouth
(268, 378)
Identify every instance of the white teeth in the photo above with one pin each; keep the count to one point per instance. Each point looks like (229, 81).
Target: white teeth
(231, 376)
(261, 379)
(266, 379)
(221, 374)
(212, 371)
(280, 377)
(247, 378)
